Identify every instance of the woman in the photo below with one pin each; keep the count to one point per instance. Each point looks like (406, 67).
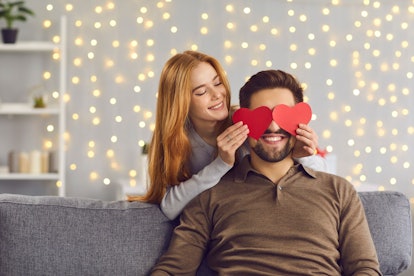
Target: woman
(194, 142)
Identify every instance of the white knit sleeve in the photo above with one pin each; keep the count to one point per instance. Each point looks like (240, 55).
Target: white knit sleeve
(315, 162)
(178, 196)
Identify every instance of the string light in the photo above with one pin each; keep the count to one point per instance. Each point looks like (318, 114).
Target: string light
(359, 80)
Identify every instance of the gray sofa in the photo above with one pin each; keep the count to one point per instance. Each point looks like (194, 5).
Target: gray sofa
(46, 235)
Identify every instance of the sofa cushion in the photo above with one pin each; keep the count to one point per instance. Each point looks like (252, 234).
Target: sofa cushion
(389, 218)
(71, 236)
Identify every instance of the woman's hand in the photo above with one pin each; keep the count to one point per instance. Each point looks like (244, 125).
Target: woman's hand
(306, 142)
(230, 140)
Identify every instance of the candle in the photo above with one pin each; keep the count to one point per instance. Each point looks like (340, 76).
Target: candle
(35, 163)
(13, 161)
(23, 162)
(44, 162)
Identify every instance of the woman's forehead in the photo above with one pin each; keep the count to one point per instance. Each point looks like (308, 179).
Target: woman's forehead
(202, 73)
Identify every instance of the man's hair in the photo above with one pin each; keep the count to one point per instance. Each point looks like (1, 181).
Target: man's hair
(270, 79)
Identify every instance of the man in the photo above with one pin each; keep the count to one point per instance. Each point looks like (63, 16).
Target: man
(270, 216)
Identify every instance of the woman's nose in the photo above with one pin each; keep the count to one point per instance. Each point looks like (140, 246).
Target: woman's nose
(215, 92)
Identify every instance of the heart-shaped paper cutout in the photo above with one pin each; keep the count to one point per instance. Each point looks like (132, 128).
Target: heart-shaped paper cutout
(289, 118)
(258, 120)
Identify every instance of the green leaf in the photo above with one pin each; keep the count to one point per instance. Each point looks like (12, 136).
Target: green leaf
(14, 11)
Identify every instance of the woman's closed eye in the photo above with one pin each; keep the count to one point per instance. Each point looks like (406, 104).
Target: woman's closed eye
(200, 92)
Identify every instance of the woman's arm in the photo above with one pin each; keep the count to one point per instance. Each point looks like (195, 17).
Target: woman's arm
(178, 196)
(315, 162)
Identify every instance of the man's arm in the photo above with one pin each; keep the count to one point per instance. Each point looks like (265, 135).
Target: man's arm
(188, 243)
(358, 254)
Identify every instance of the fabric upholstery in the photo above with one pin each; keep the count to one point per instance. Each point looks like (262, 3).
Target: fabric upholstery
(46, 235)
(72, 236)
(389, 219)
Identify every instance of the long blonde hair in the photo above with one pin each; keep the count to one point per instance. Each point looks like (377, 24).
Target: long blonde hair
(170, 148)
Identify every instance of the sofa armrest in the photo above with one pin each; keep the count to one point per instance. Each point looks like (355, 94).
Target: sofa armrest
(389, 217)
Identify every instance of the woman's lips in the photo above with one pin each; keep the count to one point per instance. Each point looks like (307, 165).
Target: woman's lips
(217, 106)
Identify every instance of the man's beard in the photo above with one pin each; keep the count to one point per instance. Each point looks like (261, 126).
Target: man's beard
(274, 155)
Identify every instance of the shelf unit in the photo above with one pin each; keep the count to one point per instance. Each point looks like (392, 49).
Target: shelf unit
(25, 46)
(13, 109)
(26, 109)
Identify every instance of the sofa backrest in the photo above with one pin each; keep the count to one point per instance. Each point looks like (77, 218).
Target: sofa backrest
(46, 235)
(72, 236)
(389, 218)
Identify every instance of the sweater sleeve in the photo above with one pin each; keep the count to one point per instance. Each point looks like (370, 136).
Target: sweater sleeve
(177, 197)
(315, 162)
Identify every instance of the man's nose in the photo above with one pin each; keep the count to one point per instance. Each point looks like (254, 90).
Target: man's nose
(273, 126)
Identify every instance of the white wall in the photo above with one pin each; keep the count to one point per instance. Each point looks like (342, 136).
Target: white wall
(356, 60)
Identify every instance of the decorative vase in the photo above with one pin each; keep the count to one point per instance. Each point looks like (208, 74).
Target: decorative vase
(9, 35)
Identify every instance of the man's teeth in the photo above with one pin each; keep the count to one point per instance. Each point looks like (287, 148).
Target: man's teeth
(272, 138)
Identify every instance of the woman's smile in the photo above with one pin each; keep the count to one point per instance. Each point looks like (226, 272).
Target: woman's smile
(217, 106)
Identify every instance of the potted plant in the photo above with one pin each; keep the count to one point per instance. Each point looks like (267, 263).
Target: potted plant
(11, 12)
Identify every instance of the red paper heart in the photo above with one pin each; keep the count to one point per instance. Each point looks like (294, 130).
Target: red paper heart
(258, 120)
(289, 118)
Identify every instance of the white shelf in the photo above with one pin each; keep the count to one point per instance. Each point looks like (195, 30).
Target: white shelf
(29, 176)
(58, 109)
(26, 109)
(29, 46)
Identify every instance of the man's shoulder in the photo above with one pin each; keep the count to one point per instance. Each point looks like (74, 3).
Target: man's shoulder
(227, 178)
(226, 182)
(321, 174)
(336, 182)
(323, 177)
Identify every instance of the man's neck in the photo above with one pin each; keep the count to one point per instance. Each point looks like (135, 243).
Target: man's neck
(272, 170)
